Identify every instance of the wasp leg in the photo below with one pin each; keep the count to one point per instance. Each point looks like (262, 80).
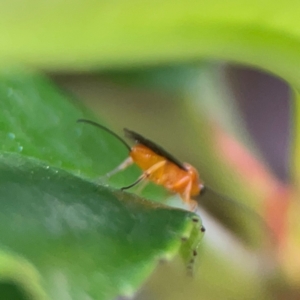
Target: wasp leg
(126, 163)
(187, 198)
(183, 181)
(146, 174)
(193, 205)
(141, 186)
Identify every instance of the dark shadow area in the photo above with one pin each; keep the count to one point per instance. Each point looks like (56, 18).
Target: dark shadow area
(264, 101)
(11, 291)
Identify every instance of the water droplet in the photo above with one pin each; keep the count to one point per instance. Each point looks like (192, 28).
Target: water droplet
(47, 167)
(20, 148)
(11, 135)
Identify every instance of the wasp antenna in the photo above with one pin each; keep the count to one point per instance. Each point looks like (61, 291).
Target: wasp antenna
(106, 129)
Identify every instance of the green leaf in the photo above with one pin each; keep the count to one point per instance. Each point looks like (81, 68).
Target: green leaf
(94, 34)
(63, 235)
(38, 120)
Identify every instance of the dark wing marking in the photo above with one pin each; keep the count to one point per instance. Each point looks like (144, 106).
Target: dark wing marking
(154, 147)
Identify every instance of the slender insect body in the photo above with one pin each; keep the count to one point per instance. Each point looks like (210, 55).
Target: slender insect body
(144, 157)
(185, 182)
(158, 166)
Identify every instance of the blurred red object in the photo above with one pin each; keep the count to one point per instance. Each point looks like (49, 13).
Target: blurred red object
(274, 195)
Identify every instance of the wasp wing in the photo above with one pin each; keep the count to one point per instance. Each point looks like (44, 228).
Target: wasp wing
(154, 147)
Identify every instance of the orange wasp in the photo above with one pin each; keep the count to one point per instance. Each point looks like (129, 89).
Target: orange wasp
(162, 168)
(158, 166)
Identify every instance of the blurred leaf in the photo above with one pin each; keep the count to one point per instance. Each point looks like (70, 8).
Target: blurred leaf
(11, 291)
(62, 235)
(217, 278)
(94, 34)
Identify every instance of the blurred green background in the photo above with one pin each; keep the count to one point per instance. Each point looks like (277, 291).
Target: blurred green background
(215, 83)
